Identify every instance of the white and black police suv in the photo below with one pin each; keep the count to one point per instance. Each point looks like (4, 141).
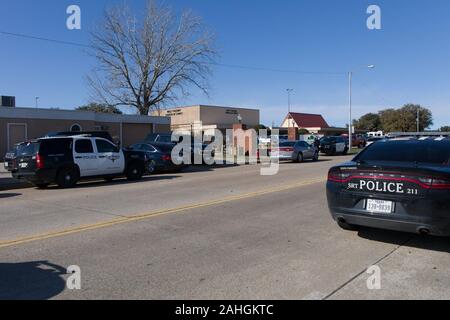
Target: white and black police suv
(66, 160)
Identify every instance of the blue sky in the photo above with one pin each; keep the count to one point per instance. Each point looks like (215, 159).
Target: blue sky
(411, 54)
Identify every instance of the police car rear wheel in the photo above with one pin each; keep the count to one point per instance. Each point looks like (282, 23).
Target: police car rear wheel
(67, 178)
(346, 226)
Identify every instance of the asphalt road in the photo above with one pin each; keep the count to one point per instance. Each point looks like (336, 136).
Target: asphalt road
(209, 233)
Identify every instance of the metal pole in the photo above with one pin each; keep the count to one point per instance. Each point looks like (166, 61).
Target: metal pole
(418, 120)
(350, 124)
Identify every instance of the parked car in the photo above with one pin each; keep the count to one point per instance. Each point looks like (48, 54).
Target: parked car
(66, 160)
(11, 156)
(197, 150)
(295, 151)
(158, 157)
(399, 185)
(373, 140)
(358, 140)
(333, 145)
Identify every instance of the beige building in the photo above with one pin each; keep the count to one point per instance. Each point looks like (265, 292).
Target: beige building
(212, 117)
(22, 124)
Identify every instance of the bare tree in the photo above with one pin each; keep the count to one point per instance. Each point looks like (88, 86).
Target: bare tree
(151, 63)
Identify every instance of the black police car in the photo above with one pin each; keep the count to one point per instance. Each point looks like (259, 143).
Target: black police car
(399, 185)
(66, 160)
(333, 145)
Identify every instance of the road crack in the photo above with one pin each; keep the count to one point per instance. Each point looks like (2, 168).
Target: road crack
(364, 270)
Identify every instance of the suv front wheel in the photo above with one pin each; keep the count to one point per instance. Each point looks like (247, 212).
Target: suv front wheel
(67, 178)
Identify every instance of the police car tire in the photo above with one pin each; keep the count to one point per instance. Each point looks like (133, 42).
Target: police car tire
(347, 226)
(67, 178)
(300, 157)
(134, 172)
(41, 185)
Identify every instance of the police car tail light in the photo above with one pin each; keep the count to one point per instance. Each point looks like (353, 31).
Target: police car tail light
(336, 175)
(39, 161)
(288, 149)
(435, 183)
(442, 184)
(166, 157)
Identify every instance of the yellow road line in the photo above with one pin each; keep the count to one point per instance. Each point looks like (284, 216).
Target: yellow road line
(152, 214)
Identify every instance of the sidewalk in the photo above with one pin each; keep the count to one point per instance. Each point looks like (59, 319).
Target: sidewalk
(7, 182)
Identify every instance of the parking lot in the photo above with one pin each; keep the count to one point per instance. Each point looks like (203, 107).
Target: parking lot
(207, 233)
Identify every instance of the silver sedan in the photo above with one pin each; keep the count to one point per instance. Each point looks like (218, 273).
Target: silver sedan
(295, 151)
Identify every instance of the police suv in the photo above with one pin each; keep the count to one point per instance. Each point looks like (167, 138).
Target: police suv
(66, 160)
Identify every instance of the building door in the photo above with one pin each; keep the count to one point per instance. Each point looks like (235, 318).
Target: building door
(17, 132)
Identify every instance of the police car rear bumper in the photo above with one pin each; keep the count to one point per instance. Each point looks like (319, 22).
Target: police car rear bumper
(37, 176)
(426, 215)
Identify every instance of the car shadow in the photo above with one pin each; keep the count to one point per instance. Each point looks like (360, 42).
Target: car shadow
(118, 181)
(9, 195)
(36, 280)
(440, 244)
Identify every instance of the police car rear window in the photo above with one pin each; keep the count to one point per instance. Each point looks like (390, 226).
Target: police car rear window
(27, 149)
(430, 152)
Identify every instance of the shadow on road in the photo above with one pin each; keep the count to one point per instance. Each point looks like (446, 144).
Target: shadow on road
(118, 181)
(37, 280)
(9, 195)
(440, 244)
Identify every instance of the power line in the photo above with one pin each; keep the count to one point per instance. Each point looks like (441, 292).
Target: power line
(233, 66)
(20, 35)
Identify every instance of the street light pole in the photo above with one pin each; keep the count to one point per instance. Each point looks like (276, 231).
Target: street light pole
(289, 99)
(289, 103)
(350, 124)
(418, 120)
(350, 120)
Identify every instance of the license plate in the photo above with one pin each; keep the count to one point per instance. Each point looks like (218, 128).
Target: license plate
(23, 165)
(379, 206)
(6, 164)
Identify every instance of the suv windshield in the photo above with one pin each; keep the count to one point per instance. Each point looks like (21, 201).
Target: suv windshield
(430, 152)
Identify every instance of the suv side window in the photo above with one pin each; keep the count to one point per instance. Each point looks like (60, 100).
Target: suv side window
(56, 146)
(84, 146)
(104, 146)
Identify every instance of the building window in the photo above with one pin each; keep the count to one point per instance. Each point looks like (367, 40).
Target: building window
(75, 128)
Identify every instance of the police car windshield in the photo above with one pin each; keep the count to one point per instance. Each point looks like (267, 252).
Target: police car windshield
(427, 152)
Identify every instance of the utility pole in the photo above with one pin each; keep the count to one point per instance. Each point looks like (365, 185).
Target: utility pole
(36, 102)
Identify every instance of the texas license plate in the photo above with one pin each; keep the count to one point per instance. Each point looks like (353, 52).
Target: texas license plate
(23, 165)
(379, 206)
